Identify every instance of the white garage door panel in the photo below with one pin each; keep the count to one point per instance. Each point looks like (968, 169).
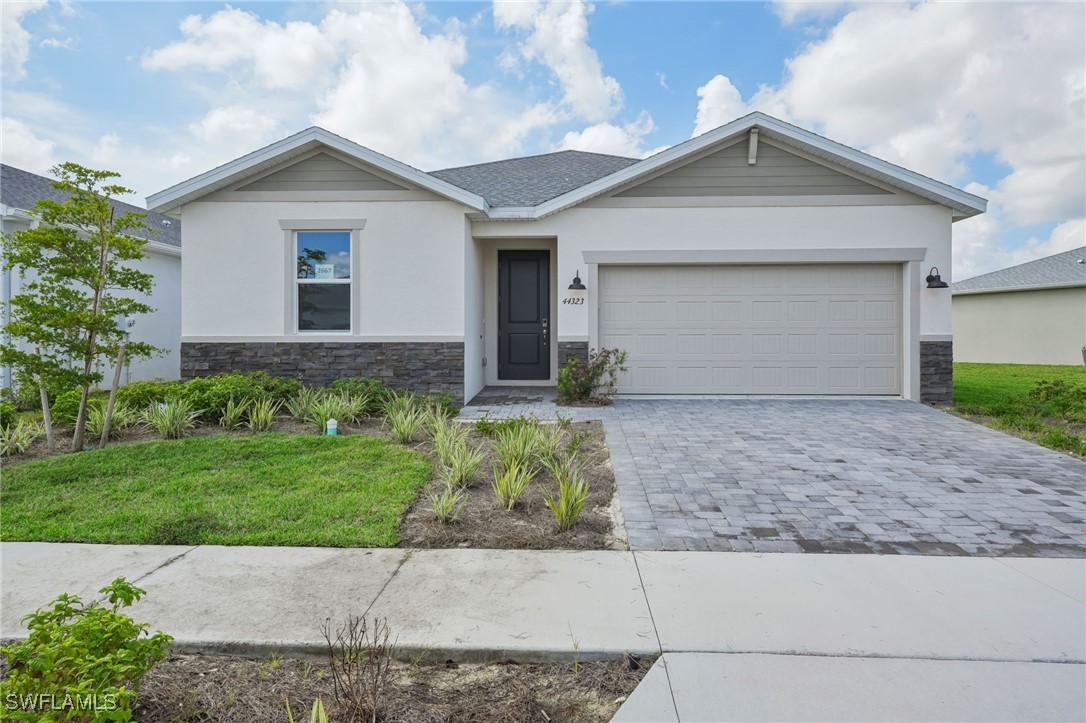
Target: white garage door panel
(807, 329)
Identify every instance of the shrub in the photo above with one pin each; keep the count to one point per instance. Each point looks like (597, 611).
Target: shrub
(27, 395)
(1057, 438)
(462, 464)
(16, 438)
(447, 436)
(448, 504)
(510, 484)
(373, 391)
(212, 394)
(549, 442)
(405, 417)
(7, 414)
(518, 446)
(301, 405)
(262, 414)
(172, 420)
(445, 403)
(96, 419)
(76, 650)
(576, 440)
(572, 494)
(596, 380)
(140, 395)
(66, 408)
(332, 405)
(360, 660)
(1059, 396)
(492, 427)
(233, 414)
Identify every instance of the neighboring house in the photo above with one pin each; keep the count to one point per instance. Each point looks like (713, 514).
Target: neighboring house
(19, 190)
(1033, 313)
(758, 258)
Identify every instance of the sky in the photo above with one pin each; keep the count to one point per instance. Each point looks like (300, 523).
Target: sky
(989, 97)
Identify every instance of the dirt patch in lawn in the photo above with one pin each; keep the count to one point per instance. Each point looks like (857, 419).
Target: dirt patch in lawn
(229, 690)
(530, 525)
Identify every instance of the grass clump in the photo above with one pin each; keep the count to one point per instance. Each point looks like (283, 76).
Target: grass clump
(518, 445)
(448, 504)
(406, 417)
(509, 484)
(16, 438)
(172, 420)
(262, 415)
(462, 464)
(233, 414)
(572, 494)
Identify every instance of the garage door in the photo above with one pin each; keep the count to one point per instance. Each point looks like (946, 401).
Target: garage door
(802, 329)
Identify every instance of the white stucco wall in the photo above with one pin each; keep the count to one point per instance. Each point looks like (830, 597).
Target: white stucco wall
(582, 229)
(411, 269)
(1045, 326)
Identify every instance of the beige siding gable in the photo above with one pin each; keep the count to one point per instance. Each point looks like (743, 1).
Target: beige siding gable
(322, 172)
(776, 173)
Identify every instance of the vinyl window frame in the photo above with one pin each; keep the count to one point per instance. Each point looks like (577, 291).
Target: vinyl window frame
(290, 228)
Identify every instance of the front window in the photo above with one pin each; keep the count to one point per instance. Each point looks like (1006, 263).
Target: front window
(324, 280)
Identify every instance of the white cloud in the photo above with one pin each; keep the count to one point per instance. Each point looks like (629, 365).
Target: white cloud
(14, 38)
(793, 11)
(662, 80)
(931, 85)
(719, 102)
(23, 149)
(291, 56)
(556, 34)
(105, 151)
(58, 43)
(626, 140)
(235, 128)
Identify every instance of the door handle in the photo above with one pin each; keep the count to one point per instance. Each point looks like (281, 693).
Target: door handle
(544, 332)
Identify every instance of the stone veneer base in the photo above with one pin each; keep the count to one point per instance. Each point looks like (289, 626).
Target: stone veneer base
(425, 367)
(937, 372)
(572, 350)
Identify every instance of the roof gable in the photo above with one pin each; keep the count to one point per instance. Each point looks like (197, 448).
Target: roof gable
(962, 203)
(321, 172)
(1056, 271)
(729, 172)
(301, 144)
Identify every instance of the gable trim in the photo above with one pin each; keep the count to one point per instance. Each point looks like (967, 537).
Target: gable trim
(299, 144)
(962, 203)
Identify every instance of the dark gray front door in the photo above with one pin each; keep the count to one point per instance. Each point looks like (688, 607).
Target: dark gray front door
(524, 304)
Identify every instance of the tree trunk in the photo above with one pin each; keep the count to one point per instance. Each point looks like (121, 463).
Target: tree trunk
(112, 398)
(91, 351)
(47, 418)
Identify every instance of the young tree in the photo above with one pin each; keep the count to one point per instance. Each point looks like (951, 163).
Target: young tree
(80, 287)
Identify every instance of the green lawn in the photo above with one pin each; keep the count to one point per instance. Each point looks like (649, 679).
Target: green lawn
(999, 394)
(268, 489)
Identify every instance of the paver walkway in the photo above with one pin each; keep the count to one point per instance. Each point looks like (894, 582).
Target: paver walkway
(823, 475)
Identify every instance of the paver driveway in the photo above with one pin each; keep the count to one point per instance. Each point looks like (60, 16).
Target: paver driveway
(822, 475)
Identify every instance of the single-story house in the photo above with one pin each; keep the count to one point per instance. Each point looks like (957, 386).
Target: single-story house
(1033, 313)
(19, 190)
(757, 258)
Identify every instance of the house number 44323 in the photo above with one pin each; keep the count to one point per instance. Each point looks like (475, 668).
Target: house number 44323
(575, 301)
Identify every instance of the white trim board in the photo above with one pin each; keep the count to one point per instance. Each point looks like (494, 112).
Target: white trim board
(754, 256)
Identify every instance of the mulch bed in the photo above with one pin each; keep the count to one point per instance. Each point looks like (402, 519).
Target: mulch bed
(530, 525)
(483, 524)
(229, 690)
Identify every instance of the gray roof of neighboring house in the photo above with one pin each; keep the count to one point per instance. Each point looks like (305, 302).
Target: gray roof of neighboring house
(21, 189)
(1065, 269)
(533, 180)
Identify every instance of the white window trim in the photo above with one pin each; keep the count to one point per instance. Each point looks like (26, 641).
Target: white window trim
(290, 228)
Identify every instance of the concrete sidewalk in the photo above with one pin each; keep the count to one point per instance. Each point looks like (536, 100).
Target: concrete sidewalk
(524, 605)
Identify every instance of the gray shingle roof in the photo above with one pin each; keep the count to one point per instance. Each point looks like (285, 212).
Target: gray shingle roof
(533, 180)
(1059, 270)
(21, 189)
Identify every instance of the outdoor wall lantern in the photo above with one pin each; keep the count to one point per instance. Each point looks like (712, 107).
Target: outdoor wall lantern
(934, 282)
(577, 285)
